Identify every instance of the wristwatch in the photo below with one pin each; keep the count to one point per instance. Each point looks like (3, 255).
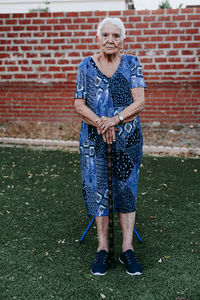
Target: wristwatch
(120, 118)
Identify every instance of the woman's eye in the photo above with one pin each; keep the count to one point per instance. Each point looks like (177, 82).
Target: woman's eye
(116, 36)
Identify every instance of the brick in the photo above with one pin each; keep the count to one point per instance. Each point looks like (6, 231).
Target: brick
(26, 48)
(54, 69)
(63, 61)
(25, 34)
(148, 18)
(58, 14)
(93, 20)
(73, 54)
(86, 14)
(4, 55)
(141, 12)
(135, 19)
(87, 40)
(32, 28)
(45, 28)
(171, 38)
(187, 10)
(142, 25)
(58, 41)
(156, 39)
(66, 21)
(66, 47)
(163, 31)
(84, 47)
(157, 25)
(192, 31)
(161, 59)
(79, 20)
(141, 39)
(128, 12)
(17, 16)
(193, 45)
(51, 21)
(31, 15)
(72, 14)
(5, 16)
(5, 28)
(5, 42)
(11, 22)
(174, 59)
(59, 27)
(52, 34)
(164, 45)
(45, 15)
(100, 13)
(66, 33)
(38, 21)
(170, 24)
(179, 18)
(86, 27)
(39, 34)
(197, 24)
(178, 45)
(185, 24)
(114, 13)
(49, 61)
(73, 27)
(146, 31)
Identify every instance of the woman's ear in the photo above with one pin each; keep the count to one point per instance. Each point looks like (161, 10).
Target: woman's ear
(98, 41)
(123, 44)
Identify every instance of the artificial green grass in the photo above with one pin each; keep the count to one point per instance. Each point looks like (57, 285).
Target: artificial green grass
(42, 215)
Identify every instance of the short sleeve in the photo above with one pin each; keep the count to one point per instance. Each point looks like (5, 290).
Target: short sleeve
(137, 79)
(80, 91)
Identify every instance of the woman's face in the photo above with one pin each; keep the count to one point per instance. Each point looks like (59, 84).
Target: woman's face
(110, 41)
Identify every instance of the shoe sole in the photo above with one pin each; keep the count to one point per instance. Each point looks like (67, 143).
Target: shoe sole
(132, 274)
(97, 273)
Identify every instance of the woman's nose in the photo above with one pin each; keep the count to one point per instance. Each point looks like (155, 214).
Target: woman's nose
(110, 39)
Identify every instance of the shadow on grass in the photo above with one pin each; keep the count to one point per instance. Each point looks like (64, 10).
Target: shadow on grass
(42, 217)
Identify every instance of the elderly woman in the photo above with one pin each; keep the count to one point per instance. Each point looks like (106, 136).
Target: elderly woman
(109, 95)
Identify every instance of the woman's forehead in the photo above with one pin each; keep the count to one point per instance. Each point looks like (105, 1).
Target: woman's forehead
(111, 28)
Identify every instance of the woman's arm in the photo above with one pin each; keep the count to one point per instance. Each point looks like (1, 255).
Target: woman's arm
(86, 114)
(89, 117)
(128, 114)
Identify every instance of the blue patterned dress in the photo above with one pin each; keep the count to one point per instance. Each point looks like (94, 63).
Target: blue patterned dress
(107, 96)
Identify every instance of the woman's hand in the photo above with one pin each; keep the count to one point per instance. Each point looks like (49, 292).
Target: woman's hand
(104, 123)
(109, 135)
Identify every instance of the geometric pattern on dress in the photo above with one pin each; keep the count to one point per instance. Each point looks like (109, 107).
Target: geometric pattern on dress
(125, 201)
(87, 149)
(101, 175)
(122, 165)
(90, 198)
(120, 90)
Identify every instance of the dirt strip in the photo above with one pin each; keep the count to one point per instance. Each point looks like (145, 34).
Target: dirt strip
(73, 146)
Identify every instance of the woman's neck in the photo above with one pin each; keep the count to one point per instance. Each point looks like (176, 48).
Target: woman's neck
(109, 58)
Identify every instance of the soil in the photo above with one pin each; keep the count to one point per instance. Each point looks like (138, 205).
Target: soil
(155, 134)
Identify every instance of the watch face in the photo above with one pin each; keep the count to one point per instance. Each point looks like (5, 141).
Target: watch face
(121, 118)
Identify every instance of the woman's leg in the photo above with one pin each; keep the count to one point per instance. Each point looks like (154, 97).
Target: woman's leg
(127, 221)
(102, 230)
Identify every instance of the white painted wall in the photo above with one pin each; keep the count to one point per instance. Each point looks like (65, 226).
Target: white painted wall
(23, 6)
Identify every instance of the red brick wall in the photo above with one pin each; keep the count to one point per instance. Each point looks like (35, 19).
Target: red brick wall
(40, 52)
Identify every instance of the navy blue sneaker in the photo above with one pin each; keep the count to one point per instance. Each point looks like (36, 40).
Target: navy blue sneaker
(129, 259)
(100, 263)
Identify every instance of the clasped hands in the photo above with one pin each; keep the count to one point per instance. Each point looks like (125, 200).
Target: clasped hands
(106, 127)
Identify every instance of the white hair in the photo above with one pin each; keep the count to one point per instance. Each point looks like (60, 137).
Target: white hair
(115, 21)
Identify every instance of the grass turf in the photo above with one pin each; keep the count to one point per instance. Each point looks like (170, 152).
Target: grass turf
(42, 216)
